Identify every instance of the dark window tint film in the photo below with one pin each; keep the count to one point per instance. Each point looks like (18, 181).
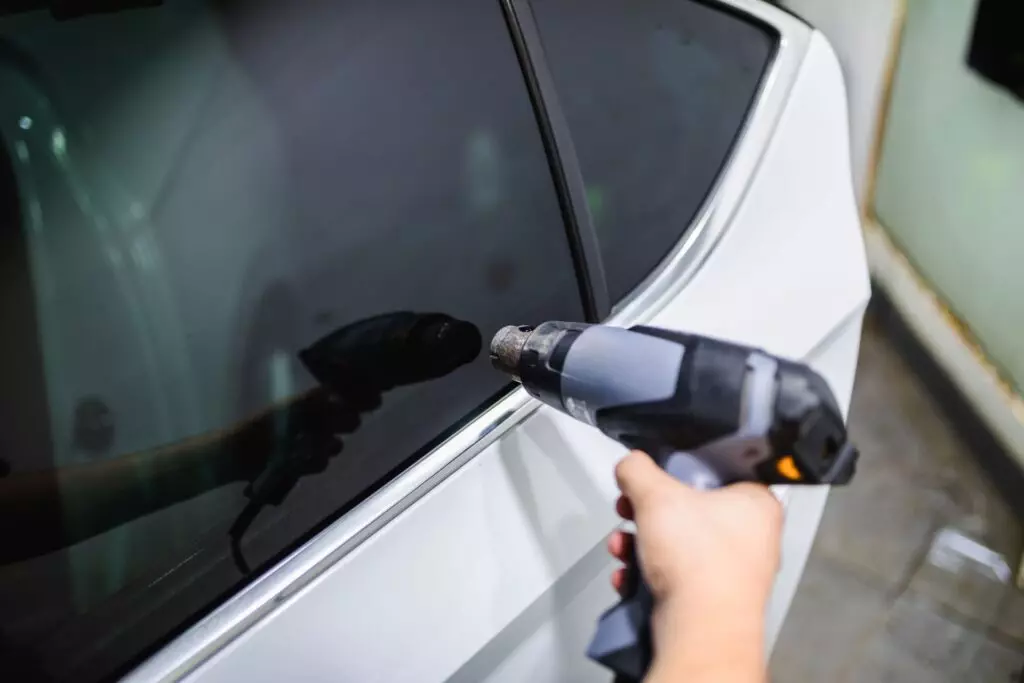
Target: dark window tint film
(250, 252)
(655, 93)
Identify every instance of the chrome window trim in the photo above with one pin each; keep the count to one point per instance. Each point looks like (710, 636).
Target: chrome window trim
(218, 629)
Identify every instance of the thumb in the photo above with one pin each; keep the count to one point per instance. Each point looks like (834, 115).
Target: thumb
(640, 479)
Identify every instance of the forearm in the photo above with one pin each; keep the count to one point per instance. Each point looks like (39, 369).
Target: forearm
(710, 642)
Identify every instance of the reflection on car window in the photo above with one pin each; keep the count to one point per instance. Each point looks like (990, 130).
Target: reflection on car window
(654, 92)
(235, 236)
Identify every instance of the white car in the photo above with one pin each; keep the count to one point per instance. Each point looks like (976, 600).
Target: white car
(195, 192)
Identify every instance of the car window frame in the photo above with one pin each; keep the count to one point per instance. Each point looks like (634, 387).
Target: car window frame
(270, 591)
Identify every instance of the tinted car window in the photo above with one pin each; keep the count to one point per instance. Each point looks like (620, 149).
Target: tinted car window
(654, 92)
(225, 225)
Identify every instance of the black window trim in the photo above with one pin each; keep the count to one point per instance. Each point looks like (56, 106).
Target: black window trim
(562, 159)
(218, 628)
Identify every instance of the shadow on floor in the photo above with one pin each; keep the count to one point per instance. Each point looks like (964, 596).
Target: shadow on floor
(874, 604)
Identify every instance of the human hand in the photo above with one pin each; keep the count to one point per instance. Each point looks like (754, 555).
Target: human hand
(709, 558)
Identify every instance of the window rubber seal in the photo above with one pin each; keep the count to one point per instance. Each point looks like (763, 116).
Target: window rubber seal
(562, 159)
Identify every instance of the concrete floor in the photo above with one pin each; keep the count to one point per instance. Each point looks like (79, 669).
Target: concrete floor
(874, 604)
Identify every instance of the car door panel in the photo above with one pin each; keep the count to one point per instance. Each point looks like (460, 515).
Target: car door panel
(498, 571)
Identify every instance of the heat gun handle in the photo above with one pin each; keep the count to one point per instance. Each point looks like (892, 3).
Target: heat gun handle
(623, 638)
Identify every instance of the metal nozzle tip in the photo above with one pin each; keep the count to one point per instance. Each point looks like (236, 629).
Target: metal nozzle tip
(507, 346)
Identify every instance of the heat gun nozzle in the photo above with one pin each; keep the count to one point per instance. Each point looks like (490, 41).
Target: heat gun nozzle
(506, 348)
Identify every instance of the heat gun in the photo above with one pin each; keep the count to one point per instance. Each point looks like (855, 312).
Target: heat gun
(708, 411)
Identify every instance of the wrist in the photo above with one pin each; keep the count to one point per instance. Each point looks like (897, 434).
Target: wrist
(704, 640)
(727, 666)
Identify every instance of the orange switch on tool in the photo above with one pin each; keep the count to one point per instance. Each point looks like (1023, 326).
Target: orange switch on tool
(787, 467)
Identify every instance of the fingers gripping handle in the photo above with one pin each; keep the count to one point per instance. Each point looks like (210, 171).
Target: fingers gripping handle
(623, 638)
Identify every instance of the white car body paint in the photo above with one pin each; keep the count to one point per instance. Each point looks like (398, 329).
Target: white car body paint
(499, 571)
